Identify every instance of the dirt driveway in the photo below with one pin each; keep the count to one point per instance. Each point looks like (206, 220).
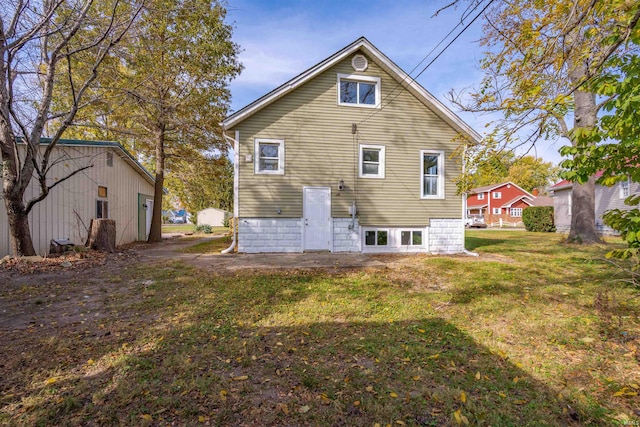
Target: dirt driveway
(78, 289)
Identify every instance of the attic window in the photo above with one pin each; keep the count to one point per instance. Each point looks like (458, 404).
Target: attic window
(359, 63)
(358, 91)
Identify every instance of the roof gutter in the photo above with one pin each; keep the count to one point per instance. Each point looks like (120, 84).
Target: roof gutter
(236, 148)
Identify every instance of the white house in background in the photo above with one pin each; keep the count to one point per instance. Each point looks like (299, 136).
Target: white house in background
(115, 187)
(212, 216)
(607, 198)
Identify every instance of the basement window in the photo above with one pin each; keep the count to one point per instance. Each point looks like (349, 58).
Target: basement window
(411, 238)
(376, 237)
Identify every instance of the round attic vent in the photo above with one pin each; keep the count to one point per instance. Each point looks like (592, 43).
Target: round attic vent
(359, 63)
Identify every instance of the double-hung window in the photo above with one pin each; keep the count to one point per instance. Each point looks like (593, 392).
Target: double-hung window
(497, 194)
(269, 156)
(497, 211)
(624, 189)
(516, 212)
(371, 161)
(480, 196)
(356, 90)
(432, 174)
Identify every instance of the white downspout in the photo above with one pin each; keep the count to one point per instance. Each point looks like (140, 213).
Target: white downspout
(236, 156)
(464, 205)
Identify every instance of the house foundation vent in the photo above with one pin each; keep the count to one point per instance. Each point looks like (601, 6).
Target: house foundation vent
(359, 63)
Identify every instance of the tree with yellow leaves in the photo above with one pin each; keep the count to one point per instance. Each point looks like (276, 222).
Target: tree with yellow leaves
(539, 57)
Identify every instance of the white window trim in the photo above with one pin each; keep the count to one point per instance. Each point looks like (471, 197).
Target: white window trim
(376, 230)
(496, 195)
(499, 211)
(480, 196)
(256, 156)
(364, 79)
(511, 210)
(381, 169)
(440, 155)
(622, 189)
(411, 230)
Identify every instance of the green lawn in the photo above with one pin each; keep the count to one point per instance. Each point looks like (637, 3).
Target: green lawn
(534, 332)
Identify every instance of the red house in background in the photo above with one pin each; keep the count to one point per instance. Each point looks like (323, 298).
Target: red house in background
(504, 201)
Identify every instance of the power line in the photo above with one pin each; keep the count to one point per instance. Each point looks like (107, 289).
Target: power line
(413, 79)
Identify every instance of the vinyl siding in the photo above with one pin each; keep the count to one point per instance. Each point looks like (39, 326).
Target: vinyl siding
(69, 207)
(561, 208)
(320, 150)
(608, 198)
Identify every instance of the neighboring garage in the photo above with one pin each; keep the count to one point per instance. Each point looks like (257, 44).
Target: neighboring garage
(115, 187)
(213, 217)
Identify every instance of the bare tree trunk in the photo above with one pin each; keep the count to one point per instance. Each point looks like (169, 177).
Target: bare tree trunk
(583, 198)
(21, 241)
(155, 232)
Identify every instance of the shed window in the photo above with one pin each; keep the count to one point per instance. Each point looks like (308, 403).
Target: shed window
(102, 209)
(269, 156)
(356, 90)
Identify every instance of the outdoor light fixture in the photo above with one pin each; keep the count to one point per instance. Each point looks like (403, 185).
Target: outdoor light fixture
(341, 185)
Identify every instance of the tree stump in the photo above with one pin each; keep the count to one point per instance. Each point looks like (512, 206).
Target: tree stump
(102, 235)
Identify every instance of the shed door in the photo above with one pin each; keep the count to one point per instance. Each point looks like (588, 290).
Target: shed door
(316, 224)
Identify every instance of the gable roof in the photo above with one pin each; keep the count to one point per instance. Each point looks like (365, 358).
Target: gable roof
(124, 154)
(565, 184)
(487, 188)
(524, 198)
(543, 201)
(364, 45)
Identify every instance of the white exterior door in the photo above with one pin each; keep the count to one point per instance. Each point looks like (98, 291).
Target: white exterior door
(316, 223)
(149, 215)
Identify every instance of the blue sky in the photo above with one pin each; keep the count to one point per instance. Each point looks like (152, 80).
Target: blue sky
(279, 39)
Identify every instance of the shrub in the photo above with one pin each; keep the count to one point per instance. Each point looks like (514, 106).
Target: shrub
(204, 228)
(538, 218)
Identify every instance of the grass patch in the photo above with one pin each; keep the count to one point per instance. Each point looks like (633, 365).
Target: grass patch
(517, 336)
(178, 228)
(210, 246)
(190, 228)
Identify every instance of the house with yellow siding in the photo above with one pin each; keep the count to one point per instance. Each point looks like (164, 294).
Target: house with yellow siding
(352, 155)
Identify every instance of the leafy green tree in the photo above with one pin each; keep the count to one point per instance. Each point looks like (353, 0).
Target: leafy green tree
(204, 183)
(527, 172)
(169, 86)
(40, 42)
(613, 145)
(539, 57)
